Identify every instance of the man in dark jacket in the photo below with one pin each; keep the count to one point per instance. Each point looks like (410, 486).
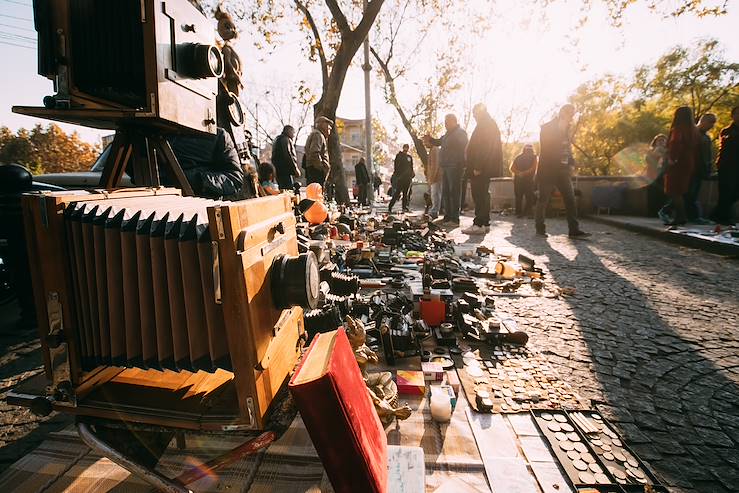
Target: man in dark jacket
(284, 158)
(523, 169)
(555, 170)
(402, 177)
(484, 161)
(703, 166)
(363, 181)
(451, 163)
(728, 171)
(210, 163)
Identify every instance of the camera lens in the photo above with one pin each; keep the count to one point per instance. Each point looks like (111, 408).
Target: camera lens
(215, 61)
(199, 61)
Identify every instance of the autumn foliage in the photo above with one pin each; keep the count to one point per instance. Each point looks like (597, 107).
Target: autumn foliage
(46, 149)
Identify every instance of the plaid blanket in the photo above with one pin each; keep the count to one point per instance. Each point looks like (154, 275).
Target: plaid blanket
(64, 463)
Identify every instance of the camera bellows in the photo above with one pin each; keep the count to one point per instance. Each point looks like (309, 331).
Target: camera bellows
(144, 284)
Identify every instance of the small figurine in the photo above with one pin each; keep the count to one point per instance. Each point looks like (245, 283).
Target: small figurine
(232, 63)
(381, 386)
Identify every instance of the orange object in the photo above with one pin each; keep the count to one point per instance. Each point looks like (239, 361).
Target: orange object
(314, 191)
(316, 213)
(433, 312)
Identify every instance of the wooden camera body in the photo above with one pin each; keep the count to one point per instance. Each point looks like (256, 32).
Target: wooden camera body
(159, 309)
(116, 63)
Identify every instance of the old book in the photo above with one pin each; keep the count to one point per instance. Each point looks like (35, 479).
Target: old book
(339, 415)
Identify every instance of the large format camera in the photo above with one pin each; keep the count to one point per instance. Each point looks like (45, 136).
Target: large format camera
(122, 62)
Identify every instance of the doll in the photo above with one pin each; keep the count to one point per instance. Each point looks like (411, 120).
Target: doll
(381, 386)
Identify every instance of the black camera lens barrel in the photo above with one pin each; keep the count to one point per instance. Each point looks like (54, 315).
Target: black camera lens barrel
(199, 61)
(295, 281)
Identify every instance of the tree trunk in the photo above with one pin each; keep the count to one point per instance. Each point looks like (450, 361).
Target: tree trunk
(336, 174)
(332, 84)
(327, 106)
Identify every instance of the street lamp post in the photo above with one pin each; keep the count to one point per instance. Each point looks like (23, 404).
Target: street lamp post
(368, 116)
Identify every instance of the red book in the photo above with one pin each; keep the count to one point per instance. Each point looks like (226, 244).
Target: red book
(339, 415)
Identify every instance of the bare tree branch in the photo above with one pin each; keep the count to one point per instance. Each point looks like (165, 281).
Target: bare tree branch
(339, 17)
(317, 36)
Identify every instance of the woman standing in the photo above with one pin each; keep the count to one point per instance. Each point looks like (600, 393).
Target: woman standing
(682, 151)
(655, 158)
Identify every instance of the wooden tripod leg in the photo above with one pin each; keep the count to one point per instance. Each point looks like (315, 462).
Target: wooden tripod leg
(141, 166)
(115, 165)
(172, 165)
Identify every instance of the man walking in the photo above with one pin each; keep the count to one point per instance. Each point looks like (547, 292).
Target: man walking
(523, 169)
(402, 177)
(728, 171)
(555, 170)
(284, 158)
(702, 169)
(451, 162)
(363, 181)
(316, 152)
(484, 161)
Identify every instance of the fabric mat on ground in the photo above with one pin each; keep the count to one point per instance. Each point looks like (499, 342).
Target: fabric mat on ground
(63, 463)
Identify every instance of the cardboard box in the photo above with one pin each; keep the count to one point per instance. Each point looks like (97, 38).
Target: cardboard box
(432, 372)
(410, 382)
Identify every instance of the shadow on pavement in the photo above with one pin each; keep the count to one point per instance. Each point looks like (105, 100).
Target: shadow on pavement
(665, 383)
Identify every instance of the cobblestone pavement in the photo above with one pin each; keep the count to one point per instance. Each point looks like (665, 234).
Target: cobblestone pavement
(651, 335)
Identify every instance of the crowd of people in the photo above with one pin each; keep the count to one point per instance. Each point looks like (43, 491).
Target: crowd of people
(480, 158)
(676, 165)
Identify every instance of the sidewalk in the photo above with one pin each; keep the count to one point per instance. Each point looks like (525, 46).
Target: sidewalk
(697, 236)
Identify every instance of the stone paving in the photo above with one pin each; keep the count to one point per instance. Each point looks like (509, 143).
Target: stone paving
(651, 335)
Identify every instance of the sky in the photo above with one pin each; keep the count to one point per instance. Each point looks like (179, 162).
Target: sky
(525, 63)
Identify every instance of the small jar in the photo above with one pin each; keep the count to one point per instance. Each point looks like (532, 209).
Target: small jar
(441, 405)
